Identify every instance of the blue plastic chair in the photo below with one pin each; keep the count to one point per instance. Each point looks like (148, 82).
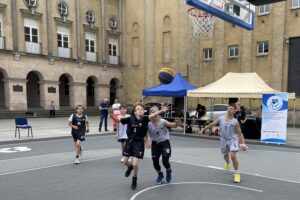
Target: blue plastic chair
(23, 124)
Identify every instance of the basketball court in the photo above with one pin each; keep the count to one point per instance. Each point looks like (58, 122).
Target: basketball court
(46, 170)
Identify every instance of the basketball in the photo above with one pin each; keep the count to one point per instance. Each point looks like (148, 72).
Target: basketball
(165, 75)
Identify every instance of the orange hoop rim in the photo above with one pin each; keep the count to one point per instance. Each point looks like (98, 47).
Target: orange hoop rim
(200, 15)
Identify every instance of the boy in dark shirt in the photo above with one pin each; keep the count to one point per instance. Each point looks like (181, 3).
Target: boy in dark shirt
(137, 126)
(80, 125)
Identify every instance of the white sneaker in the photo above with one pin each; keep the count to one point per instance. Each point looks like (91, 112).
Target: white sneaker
(122, 159)
(77, 161)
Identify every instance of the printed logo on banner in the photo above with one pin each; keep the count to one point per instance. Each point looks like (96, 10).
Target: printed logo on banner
(275, 103)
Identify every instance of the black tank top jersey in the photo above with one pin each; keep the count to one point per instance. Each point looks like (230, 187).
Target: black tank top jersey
(136, 128)
(80, 123)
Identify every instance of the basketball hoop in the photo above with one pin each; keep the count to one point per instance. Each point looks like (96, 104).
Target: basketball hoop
(203, 23)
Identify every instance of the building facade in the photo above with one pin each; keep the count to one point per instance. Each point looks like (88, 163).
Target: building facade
(159, 34)
(75, 51)
(63, 51)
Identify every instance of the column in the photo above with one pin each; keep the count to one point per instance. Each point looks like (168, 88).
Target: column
(49, 28)
(102, 32)
(77, 94)
(102, 91)
(78, 25)
(150, 41)
(49, 91)
(14, 19)
(277, 46)
(15, 93)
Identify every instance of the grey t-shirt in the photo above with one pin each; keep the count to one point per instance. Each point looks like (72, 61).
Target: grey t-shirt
(159, 132)
(228, 128)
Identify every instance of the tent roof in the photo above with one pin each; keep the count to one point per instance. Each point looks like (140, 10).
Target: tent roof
(177, 88)
(238, 85)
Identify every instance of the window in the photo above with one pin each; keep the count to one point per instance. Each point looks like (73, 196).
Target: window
(295, 3)
(263, 48)
(207, 54)
(264, 9)
(31, 3)
(233, 51)
(89, 17)
(90, 42)
(62, 9)
(62, 40)
(113, 51)
(31, 34)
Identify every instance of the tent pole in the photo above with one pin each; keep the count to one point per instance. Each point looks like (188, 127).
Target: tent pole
(294, 113)
(184, 114)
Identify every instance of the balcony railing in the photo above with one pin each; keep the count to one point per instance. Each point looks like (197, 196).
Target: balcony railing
(2, 42)
(64, 52)
(91, 56)
(32, 47)
(114, 60)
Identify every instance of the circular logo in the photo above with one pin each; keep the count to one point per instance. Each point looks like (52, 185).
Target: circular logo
(274, 103)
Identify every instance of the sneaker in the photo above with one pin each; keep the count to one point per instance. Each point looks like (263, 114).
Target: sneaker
(106, 130)
(77, 161)
(237, 178)
(128, 171)
(159, 178)
(99, 129)
(133, 184)
(227, 166)
(122, 159)
(168, 175)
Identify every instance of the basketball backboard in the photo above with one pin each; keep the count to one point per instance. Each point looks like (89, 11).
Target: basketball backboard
(263, 2)
(238, 12)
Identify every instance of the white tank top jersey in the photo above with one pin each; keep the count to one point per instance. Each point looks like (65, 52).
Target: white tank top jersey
(116, 108)
(122, 128)
(228, 128)
(158, 133)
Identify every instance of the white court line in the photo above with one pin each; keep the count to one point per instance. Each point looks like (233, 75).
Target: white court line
(186, 183)
(57, 165)
(218, 168)
(52, 154)
(44, 139)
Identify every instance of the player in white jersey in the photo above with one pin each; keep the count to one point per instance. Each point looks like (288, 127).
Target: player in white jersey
(160, 146)
(121, 129)
(231, 139)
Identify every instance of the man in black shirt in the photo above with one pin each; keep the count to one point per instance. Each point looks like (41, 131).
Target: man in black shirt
(137, 126)
(104, 106)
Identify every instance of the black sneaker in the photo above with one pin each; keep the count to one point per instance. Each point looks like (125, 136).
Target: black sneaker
(133, 184)
(128, 171)
(99, 129)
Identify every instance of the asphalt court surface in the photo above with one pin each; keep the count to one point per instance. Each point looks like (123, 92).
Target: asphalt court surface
(46, 171)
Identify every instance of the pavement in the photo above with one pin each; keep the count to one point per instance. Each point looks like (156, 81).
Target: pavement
(45, 170)
(44, 128)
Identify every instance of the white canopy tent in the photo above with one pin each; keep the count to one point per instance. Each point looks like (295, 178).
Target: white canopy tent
(237, 85)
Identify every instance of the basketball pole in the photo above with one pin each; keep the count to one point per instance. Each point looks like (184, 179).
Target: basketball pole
(184, 114)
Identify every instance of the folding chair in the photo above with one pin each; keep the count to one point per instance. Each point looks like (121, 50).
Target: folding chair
(23, 124)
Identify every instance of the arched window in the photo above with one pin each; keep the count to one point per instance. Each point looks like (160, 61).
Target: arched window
(62, 9)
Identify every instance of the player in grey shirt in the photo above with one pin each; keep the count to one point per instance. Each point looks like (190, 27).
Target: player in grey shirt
(231, 138)
(160, 146)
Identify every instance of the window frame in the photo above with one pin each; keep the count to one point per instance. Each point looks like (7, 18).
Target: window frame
(58, 8)
(31, 34)
(63, 35)
(89, 46)
(1, 28)
(263, 53)
(111, 49)
(235, 48)
(264, 10)
(207, 51)
(297, 6)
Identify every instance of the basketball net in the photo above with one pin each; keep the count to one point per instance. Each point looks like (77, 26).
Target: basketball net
(203, 23)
